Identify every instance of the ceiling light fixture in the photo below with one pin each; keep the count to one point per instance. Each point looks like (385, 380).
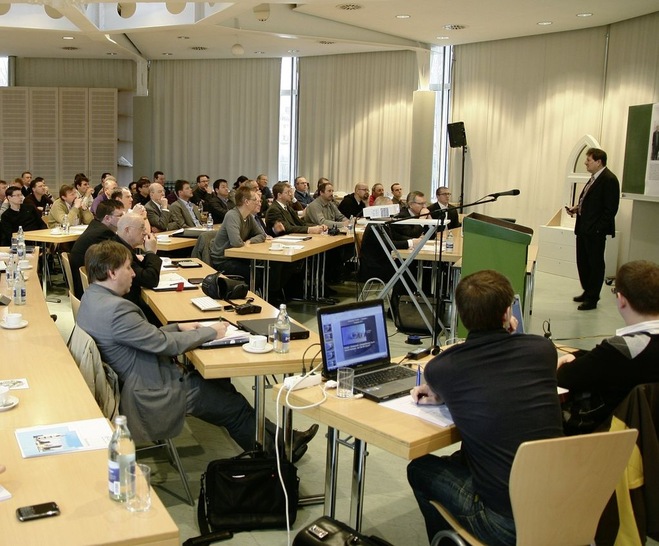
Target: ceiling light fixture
(111, 53)
(175, 7)
(237, 49)
(68, 38)
(70, 48)
(259, 53)
(454, 27)
(544, 23)
(262, 12)
(441, 37)
(584, 14)
(51, 12)
(183, 37)
(326, 42)
(402, 16)
(349, 7)
(199, 48)
(167, 54)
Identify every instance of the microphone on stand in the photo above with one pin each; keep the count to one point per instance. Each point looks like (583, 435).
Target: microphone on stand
(503, 193)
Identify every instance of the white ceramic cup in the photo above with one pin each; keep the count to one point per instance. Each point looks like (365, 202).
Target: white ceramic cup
(276, 246)
(24, 264)
(4, 394)
(257, 342)
(13, 319)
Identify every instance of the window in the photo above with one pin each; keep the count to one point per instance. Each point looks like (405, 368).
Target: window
(4, 71)
(288, 119)
(440, 81)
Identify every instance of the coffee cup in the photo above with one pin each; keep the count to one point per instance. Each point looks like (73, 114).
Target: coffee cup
(13, 319)
(4, 394)
(257, 342)
(276, 246)
(24, 264)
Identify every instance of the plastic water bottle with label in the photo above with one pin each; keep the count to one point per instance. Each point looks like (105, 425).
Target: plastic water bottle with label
(209, 222)
(20, 244)
(65, 224)
(19, 289)
(121, 459)
(282, 330)
(449, 242)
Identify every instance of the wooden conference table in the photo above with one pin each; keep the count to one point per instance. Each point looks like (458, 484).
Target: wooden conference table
(369, 423)
(226, 362)
(313, 249)
(76, 481)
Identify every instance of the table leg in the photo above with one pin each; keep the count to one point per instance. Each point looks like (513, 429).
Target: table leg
(44, 269)
(259, 408)
(331, 472)
(358, 477)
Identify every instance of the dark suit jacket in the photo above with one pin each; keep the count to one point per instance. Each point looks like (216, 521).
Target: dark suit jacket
(161, 219)
(401, 232)
(181, 216)
(349, 206)
(96, 232)
(292, 222)
(218, 208)
(437, 213)
(27, 216)
(147, 274)
(599, 207)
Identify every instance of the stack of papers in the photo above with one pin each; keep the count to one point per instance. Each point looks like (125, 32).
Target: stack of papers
(170, 282)
(84, 435)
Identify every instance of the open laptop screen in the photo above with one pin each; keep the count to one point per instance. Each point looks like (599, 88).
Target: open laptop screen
(353, 335)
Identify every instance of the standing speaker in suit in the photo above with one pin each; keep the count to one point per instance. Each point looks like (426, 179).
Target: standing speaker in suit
(596, 211)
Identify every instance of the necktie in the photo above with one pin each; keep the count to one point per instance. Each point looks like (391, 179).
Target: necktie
(584, 192)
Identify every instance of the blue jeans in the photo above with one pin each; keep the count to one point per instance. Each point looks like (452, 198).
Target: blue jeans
(448, 481)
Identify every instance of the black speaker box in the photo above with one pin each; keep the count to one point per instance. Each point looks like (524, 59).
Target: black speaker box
(457, 137)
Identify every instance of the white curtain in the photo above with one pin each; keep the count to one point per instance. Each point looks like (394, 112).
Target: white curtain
(525, 102)
(219, 118)
(355, 118)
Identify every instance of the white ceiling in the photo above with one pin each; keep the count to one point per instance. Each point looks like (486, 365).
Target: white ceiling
(154, 32)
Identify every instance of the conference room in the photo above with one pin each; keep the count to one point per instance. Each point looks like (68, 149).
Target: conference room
(371, 107)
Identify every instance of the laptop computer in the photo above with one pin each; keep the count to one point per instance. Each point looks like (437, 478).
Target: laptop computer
(354, 335)
(259, 327)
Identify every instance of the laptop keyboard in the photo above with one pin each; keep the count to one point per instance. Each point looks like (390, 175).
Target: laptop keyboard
(387, 375)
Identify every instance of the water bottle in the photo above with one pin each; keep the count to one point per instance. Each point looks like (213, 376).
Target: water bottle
(20, 244)
(19, 290)
(351, 224)
(449, 242)
(282, 331)
(10, 274)
(209, 222)
(46, 209)
(65, 224)
(121, 459)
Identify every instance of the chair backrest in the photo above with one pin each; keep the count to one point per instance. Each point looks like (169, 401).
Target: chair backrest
(559, 487)
(75, 305)
(102, 380)
(83, 278)
(66, 264)
(202, 248)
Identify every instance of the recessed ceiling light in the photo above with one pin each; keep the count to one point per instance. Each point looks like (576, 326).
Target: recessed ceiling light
(70, 48)
(402, 16)
(326, 42)
(199, 48)
(293, 50)
(168, 54)
(68, 38)
(259, 53)
(544, 23)
(184, 37)
(454, 27)
(349, 7)
(441, 37)
(111, 53)
(584, 14)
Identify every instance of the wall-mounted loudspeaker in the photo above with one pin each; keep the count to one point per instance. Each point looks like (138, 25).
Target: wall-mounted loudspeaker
(457, 137)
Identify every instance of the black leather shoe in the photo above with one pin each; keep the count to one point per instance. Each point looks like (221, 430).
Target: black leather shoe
(579, 299)
(587, 306)
(300, 441)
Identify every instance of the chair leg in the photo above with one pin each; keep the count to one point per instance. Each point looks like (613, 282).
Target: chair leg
(179, 467)
(452, 535)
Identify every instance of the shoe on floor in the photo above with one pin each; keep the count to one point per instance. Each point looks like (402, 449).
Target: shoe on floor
(579, 299)
(587, 306)
(300, 441)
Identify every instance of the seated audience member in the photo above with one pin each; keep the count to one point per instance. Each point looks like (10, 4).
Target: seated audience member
(18, 214)
(323, 210)
(3, 189)
(262, 181)
(157, 210)
(218, 202)
(353, 204)
(133, 188)
(282, 219)
(202, 190)
(600, 379)
(99, 187)
(101, 228)
(397, 193)
(84, 190)
(183, 212)
(142, 194)
(124, 195)
(373, 261)
(321, 180)
(156, 393)
(17, 183)
(71, 206)
(238, 229)
(416, 206)
(25, 179)
(376, 191)
(258, 215)
(133, 233)
(109, 185)
(302, 194)
(501, 392)
(442, 208)
(39, 197)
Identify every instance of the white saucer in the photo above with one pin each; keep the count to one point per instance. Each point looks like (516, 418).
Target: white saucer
(21, 324)
(164, 240)
(265, 349)
(11, 402)
(25, 268)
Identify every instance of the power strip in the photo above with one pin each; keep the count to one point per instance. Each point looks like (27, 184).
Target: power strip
(302, 381)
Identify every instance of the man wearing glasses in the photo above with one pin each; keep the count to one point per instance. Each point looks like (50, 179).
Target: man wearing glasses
(416, 207)
(18, 214)
(353, 204)
(443, 210)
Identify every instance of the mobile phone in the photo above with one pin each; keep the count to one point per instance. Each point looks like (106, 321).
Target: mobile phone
(37, 511)
(195, 280)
